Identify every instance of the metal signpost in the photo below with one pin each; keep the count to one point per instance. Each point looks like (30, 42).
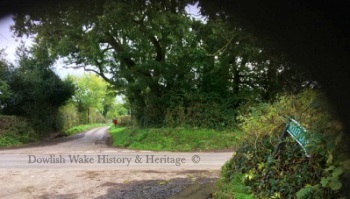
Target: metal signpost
(295, 130)
(298, 133)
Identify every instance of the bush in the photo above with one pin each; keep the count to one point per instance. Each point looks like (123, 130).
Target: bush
(15, 131)
(290, 173)
(69, 116)
(203, 111)
(124, 120)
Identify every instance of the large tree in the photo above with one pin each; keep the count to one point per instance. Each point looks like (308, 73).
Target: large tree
(155, 53)
(131, 41)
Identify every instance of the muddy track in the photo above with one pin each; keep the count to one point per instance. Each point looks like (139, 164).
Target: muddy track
(133, 174)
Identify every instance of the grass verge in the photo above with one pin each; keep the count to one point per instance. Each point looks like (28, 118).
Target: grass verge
(231, 185)
(14, 139)
(233, 189)
(78, 129)
(173, 139)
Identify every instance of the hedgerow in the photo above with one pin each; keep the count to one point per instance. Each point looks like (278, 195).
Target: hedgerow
(289, 173)
(15, 131)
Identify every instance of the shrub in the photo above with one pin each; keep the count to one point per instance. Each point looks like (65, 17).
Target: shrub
(124, 120)
(290, 173)
(15, 131)
(69, 116)
(203, 111)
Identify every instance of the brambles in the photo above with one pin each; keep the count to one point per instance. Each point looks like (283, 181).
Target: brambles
(290, 173)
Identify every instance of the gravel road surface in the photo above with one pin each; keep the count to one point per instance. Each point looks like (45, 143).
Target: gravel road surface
(84, 166)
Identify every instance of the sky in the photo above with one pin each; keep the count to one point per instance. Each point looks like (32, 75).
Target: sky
(7, 41)
(10, 43)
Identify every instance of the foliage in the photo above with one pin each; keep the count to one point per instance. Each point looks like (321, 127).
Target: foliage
(4, 72)
(90, 95)
(69, 115)
(15, 131)
(290, 173)
(124, 120)
(80, 128)
(173, 70)
(173, 139)
(202, 111)
(36, 91)
(93, 102)
(232, 188)
(116, 110)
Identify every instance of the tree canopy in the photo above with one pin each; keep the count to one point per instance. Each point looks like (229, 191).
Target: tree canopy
(161, 59)
(92, 94)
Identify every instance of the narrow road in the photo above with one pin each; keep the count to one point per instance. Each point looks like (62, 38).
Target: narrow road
(83, 166)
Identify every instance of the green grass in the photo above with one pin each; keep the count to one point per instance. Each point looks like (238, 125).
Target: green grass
(17, 135)
(81, 128)
(173, 139)
(233, 189)
(14, 139)
(15, 131)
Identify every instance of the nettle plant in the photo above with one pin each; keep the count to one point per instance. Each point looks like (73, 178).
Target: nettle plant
(290, 173)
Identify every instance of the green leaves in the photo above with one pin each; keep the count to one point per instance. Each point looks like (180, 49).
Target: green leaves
(151, 50)
(93, 100)
(35, 91)
(290, 173)
(307, 192)
(332, 181)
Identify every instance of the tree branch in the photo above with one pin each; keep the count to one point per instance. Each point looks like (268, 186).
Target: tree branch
(158, 48)
(224, 47)
(101, 75)
(119, 49)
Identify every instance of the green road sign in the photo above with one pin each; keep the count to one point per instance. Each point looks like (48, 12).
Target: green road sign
(298, 133)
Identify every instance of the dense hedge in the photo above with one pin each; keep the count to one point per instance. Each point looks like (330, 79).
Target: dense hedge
(289, 174)
(15, 131)
(203, 111)
(124, 120)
